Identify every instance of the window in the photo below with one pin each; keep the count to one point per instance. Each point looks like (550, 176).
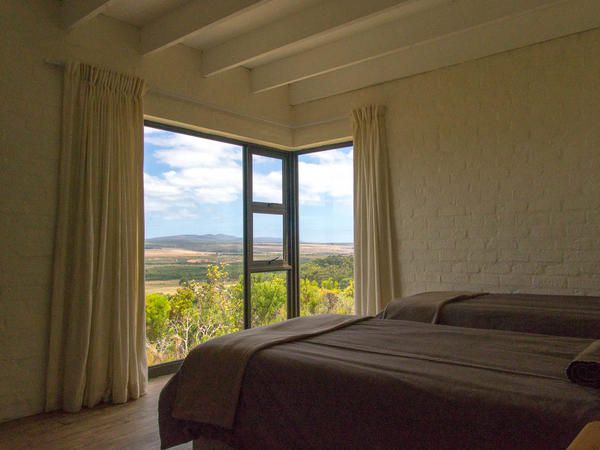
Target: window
(270, 252)
(326, 247)
(193, 193)
(240, 236)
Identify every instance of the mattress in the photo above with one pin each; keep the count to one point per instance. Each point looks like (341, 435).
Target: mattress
(558, 315)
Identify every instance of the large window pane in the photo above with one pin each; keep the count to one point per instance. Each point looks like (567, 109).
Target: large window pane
(267, 239)
(194, 246)
(267, 185)
(326, 232)
(268, 298)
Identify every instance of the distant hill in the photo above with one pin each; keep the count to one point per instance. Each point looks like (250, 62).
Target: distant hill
(199, 243)
(268, 240)
(204, 242)
(194, 238)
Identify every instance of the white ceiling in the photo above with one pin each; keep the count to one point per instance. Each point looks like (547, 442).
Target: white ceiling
(140, 12)
(322, 48)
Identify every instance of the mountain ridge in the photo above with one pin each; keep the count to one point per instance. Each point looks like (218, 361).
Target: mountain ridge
(213, 242)
(205, 242)
(196, 238)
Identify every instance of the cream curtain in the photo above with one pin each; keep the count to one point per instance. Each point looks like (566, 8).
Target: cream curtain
(374, 280)
(97, 329)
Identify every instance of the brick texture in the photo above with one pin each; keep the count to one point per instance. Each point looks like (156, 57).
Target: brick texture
(496, 170)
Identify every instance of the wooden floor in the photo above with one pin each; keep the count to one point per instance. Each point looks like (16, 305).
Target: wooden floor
(133, 425)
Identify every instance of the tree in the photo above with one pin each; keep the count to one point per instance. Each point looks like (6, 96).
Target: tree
(157, 315)
(158, 307)
(183, 322)
(219, 306)
(268, 298)
(201, 310)
(310, 297)
(337, 267)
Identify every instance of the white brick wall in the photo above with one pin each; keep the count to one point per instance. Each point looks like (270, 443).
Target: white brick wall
(496, 170)
(29, 142)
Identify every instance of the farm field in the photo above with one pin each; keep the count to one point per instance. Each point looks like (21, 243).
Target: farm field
(162, 286)
(194, 289)
(167, 267)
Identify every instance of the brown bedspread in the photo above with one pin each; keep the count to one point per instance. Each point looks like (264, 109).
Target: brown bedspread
(398, 384)
(559, 315)
(227, 357)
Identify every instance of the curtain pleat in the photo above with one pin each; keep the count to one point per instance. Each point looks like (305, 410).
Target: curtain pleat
(374, 275)
(97, 328)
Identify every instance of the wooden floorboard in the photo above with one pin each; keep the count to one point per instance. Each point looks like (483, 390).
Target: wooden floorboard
(133, 425)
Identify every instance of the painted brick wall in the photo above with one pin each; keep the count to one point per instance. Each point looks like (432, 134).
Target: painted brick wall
(495, 169)
(29, 143)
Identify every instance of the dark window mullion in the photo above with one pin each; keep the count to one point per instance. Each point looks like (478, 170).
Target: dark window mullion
(294, 238)
(268, 208)
(285, 177)
(248, 239)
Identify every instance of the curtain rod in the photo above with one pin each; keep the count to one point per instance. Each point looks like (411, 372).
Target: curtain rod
(162, 93)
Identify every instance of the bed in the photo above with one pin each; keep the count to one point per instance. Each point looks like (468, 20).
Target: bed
(559, 315)
(330, 382)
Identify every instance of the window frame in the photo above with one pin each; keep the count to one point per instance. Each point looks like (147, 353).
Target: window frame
(288, 209)
(283, 209)
(275, 209)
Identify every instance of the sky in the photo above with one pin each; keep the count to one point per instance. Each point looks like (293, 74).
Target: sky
(193, 185)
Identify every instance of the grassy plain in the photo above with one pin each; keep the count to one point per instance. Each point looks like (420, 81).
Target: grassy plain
(166, 266)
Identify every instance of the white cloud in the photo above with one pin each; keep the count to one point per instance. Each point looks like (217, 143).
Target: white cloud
(266, 179)
(326, 174)
(200, 171)
(267, 187)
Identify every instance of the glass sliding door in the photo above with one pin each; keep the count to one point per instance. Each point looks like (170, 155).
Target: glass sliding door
(326, 249)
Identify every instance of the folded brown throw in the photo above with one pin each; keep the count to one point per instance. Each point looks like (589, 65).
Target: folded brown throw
(209, 382)
(585, 368)
(424, 307)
